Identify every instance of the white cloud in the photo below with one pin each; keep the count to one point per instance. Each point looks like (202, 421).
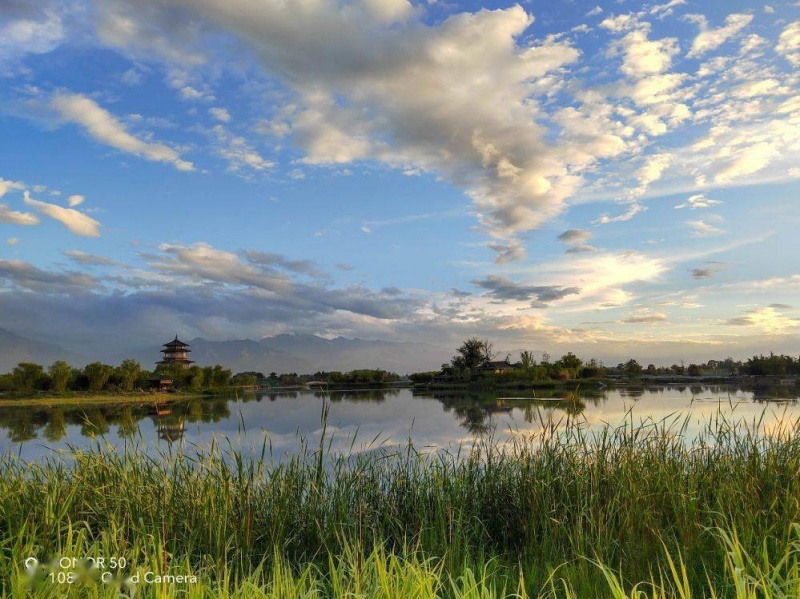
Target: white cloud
(768, 319)
(221, 114)
(666, 9)
(703, 229)
(12, 217)
(29, 35)
(12, 241)
(75, 221)
(710, 39)
(106, 128)
(698, 201)
(595, 11)
(75, 200)
(789, 43)
(238, 153)
(643, 56)
(746, 161)
(408, 101)
(6, 186)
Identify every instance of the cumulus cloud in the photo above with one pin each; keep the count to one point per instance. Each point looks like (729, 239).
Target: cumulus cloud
(23, 275)
(768, 319)
(789, 43)
(711, 39)
(575, 236)
(75, 200)
(381, 84)
(238, 152)
(86, 259)
(77, 222)
(13, 217)
(697, 201)
(666, 9)
(268, 275)
(28, 30)
(6, 186)
(107, 129)
(220, 114)
(646, 318)
(701, 228)
(503, 288)
(576, 239)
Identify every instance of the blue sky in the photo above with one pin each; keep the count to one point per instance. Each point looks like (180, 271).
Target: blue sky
(613, 178)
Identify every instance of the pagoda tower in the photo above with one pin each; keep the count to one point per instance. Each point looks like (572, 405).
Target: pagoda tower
(175, 352)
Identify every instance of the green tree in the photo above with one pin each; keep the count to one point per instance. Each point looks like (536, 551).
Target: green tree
(60, 374)
(571, 363)
(26, 377)
(220, 377)
(196, 377)
(633, 367)
(97, 375)
(128, 372)
(526, 360)
(472, 353)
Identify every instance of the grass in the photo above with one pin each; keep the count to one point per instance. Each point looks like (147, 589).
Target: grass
(74, 399)
(634, 511)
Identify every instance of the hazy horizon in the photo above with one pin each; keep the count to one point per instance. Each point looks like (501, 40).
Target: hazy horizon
(619, 180)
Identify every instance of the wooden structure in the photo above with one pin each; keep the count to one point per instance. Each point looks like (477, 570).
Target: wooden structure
(175, 352)
(498, 367)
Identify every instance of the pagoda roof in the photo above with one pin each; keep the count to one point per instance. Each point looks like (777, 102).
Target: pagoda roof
(176, 343)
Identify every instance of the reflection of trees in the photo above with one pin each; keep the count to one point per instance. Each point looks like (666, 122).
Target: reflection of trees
(22, 428)
(775, 392)
(127, 425)
(95, 423)
(56, 427)
(367, 395)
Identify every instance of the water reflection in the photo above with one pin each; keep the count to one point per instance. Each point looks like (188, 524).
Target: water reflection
(393, 416)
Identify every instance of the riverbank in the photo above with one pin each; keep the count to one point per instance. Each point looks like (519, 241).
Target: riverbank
(560, 514)
(105, 399)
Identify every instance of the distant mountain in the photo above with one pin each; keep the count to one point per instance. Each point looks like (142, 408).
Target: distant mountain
(281, 353)
(16, 348)
(309, 354)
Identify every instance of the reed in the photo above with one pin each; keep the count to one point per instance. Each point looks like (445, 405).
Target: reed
(638, 510)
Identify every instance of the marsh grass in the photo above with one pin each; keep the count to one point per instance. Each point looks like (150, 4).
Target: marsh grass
(633, 511)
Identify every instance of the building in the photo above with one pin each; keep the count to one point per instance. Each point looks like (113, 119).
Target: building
(175, 352)
(498, 367)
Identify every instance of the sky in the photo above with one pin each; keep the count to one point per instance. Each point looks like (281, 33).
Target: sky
(611, 178)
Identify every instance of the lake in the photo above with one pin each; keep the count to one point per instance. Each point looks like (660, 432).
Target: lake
(366, 420)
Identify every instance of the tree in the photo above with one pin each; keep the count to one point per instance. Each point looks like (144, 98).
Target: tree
(472, 353)
(26, 377)
(571, 362)
(633, 367)
(693, 370)
(128, 372)
(196, 377)
(60, 373)
(220, 377)
(97, 374)
(526, 360)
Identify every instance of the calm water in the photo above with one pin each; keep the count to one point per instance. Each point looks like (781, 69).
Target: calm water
(364, 420)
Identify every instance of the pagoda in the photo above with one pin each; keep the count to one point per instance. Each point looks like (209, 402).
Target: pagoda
(175, 352)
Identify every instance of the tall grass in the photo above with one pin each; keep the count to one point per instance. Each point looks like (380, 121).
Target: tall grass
(635, 511)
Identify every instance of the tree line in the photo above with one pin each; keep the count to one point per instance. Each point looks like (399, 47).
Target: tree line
(474, 353)
(60, 377)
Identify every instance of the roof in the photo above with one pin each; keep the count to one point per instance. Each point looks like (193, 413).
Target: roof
(176, 343)
(497, 365)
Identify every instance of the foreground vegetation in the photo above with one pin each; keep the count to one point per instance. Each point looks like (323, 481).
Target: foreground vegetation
(633, 511)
